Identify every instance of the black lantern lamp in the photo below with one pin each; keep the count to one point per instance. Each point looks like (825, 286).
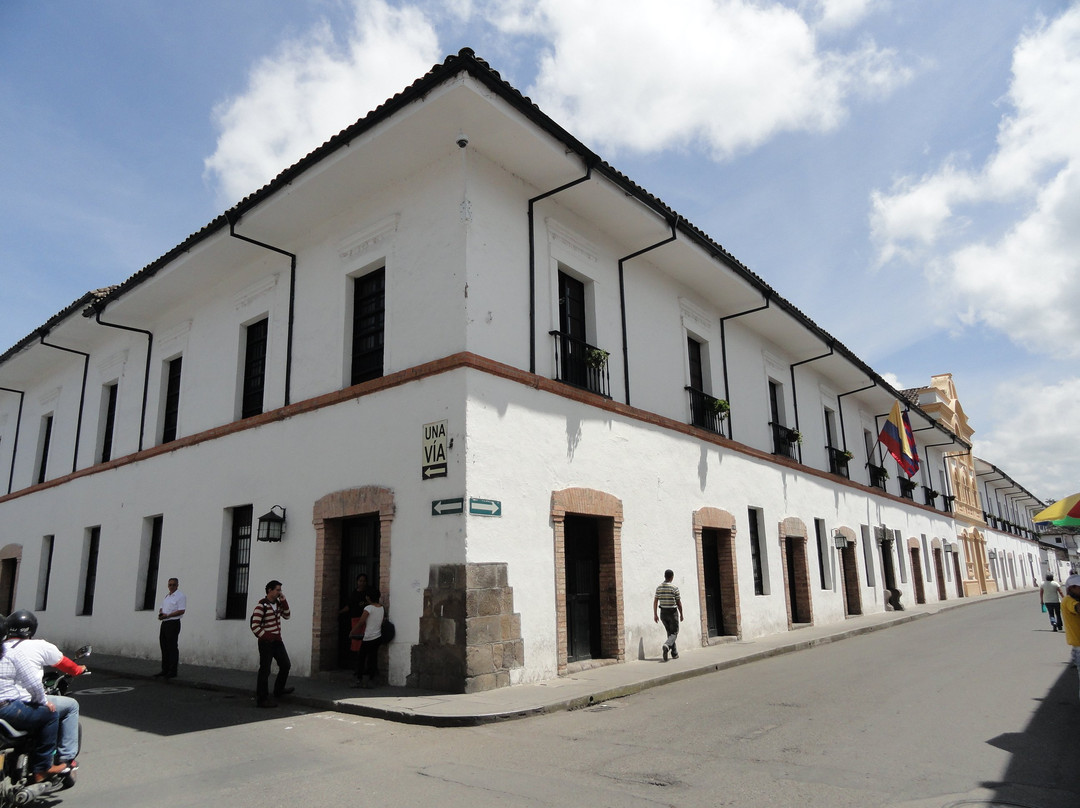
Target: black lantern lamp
(840, 541)
(271, 526)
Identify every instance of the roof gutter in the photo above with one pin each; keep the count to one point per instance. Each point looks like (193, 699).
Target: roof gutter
(233, 218)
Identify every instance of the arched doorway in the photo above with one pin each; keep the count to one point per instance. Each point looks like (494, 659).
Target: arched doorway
(915, 554)
(796, 572)
(849, 573)
(588, 576)
(718, 593)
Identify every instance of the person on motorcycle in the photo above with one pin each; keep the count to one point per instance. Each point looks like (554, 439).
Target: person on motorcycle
(32, 656)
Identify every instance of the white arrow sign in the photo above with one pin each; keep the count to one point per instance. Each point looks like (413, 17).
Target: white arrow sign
(485, 507)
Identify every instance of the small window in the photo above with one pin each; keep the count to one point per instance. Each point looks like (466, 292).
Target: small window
(171, 412)
(254, 368)
(93, 539)
(757, 554)
(369, 324)
(44, 439)
(41, 603)
(823, 555)
(239, 561)
(152, 555)
(108, 420)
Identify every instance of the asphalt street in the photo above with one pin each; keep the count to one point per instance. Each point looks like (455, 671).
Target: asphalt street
(972, 707)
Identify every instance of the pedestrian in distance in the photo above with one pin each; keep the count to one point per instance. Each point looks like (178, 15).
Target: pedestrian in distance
(369, 630)
(266, 626)
(1050, 597)
(667, 609)
(169, 613)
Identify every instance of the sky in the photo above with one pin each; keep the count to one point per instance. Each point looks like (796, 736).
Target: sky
(906, 172)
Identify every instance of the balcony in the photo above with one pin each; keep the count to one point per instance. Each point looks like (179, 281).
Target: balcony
(581, 364)
(930, 496)
(878, 476)
(838, 461)
(907, 488)
(706, 411)
(947, 502)
(785, 440)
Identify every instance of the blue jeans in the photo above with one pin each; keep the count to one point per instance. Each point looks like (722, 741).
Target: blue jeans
(67, 713)
(41, 723)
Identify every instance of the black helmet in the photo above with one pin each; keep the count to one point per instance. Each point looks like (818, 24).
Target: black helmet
(20, 624)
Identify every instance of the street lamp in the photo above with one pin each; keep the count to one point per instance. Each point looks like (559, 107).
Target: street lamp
(271, 525)
(840, 541)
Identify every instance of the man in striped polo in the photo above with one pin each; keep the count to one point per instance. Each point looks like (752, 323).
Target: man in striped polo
(669, 603)
(266, 626)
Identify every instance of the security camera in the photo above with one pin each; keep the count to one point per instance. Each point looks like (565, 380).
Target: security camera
(462, 141)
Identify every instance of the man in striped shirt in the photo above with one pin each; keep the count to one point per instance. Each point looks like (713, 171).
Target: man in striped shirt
(266, 626)
(669, 603)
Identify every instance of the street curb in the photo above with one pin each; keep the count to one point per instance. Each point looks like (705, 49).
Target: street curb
(599, 696)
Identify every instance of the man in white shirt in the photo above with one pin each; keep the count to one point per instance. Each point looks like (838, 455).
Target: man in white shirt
(172, 609)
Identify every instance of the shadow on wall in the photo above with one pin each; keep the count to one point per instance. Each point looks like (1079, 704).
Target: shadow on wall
(1042, 765)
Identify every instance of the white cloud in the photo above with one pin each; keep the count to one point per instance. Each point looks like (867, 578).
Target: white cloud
(313, 88)
(1020, 277)
(835, 15)
(722, 75)
(1034, 437)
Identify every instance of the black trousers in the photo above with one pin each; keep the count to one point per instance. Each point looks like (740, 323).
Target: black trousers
(669, 619)
(271, 651)
(368, 662)
(169, 639)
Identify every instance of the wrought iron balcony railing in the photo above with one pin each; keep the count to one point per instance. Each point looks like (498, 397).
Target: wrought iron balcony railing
(838, 461)
(878, 476)
(930, 495)
(707, 411)
(785, 440)
(907, 488)
(581, 364)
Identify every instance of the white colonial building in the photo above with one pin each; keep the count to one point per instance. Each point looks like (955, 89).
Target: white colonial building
(456, 350)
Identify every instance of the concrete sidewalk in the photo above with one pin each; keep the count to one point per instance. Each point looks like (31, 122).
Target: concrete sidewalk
(331, 691)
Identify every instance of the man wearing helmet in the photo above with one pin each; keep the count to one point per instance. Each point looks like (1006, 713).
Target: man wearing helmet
(32, 656)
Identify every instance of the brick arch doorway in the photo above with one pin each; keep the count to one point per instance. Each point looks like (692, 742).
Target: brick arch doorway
(588, 576)
(939, 568)
(334, 516)
(718, 594)
(800, 610)
(10, 559)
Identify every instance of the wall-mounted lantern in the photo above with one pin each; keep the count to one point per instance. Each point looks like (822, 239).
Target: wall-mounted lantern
(271, 525)
(840, 541)
(993, 555)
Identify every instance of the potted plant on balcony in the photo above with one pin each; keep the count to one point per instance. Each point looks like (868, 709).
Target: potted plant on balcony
(719, 407)
(847, 456)
(596, 358)
(796, 436)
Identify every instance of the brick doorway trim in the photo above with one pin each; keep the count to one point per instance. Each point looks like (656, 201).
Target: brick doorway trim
(724, 523)
(608, 511)
(939, 568)
(327, 515)
(793, 562)
(917, 572)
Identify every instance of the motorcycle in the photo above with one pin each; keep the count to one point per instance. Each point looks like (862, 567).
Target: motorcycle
(17, 786)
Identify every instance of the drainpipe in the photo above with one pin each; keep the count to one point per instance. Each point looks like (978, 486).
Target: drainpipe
(926, 474)
(532, 261)
(794, 393)
(723, 355)
(15, 444)
(146, 371)
(292, 298)
(82, 396)
(622, 300)
(840, 407)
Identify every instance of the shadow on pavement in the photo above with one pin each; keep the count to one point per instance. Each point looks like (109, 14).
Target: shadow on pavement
(1042, 769)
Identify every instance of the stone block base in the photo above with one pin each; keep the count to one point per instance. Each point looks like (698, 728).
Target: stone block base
(470, 637)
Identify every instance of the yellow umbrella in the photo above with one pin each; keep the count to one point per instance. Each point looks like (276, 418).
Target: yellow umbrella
(1064, 512)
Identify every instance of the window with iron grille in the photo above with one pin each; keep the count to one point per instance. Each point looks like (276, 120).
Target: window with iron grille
(755, 552)
(239, 561)
(43, 447)
(44, 573)
(153, 556)
(254, 369)
(108, 395)
(369, 325)
(90, 579)
(173, 369)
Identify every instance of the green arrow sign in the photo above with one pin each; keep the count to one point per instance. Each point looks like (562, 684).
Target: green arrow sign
(485, 507)
(441, 507)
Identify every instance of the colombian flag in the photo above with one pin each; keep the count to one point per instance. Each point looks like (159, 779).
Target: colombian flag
(897, 438)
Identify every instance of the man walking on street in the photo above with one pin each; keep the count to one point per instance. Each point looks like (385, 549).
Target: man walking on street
(172, 609)
(266, 626)
(669, 603)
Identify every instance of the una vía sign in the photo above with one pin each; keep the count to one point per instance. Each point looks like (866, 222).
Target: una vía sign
(434, 446)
